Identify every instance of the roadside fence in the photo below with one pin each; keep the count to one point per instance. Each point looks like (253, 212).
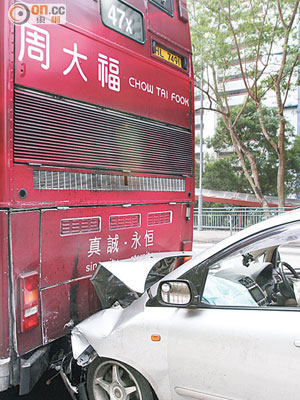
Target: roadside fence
(234, 219)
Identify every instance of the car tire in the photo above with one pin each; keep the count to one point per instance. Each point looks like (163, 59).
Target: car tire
(110, 380)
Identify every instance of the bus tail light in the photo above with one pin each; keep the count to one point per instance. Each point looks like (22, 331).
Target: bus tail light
(29, 298)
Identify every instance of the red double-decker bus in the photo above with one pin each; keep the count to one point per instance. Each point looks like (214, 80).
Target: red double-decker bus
(96, 158)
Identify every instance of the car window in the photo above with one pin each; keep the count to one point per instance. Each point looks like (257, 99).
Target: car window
(229, 282)
(261, 271)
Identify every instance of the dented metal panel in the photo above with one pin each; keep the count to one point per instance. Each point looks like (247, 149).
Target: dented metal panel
(68, 261)
(122, 282)
(66, 304)
(134, 272)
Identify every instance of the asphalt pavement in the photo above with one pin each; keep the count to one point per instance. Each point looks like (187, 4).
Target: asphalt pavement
(49, 387)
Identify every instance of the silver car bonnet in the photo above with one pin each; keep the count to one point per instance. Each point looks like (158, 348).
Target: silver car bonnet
(125, 280)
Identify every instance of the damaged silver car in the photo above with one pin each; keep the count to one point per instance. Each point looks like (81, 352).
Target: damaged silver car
(223, 324)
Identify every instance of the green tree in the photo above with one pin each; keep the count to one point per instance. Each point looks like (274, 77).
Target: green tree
(227, 172)
(224, 174)
(239, 39)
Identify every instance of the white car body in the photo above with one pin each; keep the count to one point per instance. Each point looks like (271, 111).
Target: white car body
(209, 351)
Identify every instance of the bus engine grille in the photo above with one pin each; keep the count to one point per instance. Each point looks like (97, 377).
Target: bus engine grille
(60, 132)
(64, 180)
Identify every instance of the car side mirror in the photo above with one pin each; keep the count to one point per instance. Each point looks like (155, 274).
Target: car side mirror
(177, 293)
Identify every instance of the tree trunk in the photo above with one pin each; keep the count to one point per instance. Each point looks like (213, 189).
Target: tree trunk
(281, 165)
(242, 151)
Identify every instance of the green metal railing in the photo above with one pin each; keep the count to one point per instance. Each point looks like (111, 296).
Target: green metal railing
(235, 219)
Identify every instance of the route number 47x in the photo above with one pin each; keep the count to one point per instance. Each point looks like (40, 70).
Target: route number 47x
(119, 19)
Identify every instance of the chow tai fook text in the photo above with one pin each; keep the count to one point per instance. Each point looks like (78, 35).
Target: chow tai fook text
(35, 43)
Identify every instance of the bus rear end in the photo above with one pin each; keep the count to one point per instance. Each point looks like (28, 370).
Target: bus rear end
(97, 159)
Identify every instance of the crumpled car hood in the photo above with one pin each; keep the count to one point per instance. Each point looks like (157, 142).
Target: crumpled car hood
(125, 280)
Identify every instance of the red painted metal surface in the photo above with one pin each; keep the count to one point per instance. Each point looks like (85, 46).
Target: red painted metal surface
(158, 23)
(61, 304)
(147, 85)
(72, 208)
(6, 104)
(47, 198)
(4, 293)
(25, 239)
(76, 255)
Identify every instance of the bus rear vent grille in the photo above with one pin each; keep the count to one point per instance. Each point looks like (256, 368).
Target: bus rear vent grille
(80, 225)
(59, 132)
(159, 218)
(124, 221)
(60, 180)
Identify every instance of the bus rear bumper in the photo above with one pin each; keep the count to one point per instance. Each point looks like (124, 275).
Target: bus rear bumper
(4, 373)
(32, 369)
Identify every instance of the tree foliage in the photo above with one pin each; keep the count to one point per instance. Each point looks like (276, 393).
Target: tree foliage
(227, 171)
(256, 42)
(224, 174)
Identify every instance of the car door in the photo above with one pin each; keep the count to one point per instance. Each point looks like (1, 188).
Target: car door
(237, 344)
(234, 354)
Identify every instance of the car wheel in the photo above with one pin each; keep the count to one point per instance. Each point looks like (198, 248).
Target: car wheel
(112, 380)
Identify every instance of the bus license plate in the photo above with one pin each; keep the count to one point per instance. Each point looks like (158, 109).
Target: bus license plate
(168, 56)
